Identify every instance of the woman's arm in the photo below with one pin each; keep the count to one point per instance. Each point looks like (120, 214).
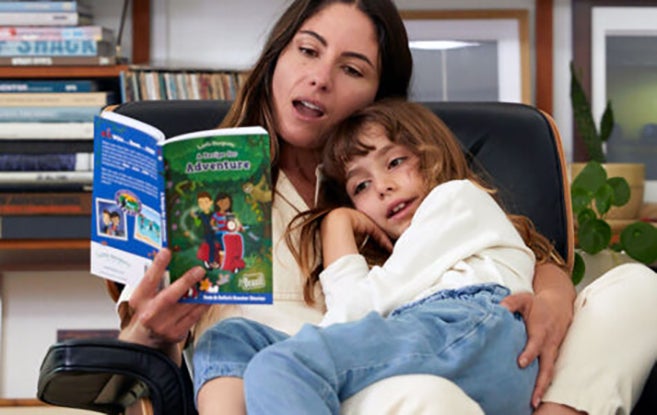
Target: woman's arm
(548, 314)
(156, 318)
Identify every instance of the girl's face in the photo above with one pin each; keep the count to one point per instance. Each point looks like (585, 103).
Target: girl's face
(223, 204)
(329, 70)
(386, 184)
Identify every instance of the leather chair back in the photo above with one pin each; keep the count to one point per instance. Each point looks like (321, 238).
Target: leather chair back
(516, 147)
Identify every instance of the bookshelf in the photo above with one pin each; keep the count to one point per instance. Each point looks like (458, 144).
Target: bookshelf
(51, 255)
(44, 255)
(51, 72)
(71, 254)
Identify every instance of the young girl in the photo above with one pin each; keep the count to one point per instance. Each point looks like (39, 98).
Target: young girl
(394, 172)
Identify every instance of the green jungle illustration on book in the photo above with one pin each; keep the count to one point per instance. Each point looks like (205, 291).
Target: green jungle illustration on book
(215, 212)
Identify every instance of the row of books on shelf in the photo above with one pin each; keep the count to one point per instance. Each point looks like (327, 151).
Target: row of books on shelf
(55, 33)
(39, 172)
(46, 125)
(45, 215)
(46, 6)
(45, 190)
(46, 157)
(57, 46)
(50, 109)
(48, 13)
(147, 83)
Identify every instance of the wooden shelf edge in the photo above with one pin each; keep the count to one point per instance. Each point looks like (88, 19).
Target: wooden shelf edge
(40, 244)
(19, 402)
(44, 255)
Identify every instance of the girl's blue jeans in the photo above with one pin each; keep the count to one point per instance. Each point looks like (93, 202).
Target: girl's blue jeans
(463, 335)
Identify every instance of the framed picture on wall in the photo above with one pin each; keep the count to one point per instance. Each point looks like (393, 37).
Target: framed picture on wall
(469, 55)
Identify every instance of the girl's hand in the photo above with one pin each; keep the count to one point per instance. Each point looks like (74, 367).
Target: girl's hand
(158, 319)
(548, 314)
(343, 230)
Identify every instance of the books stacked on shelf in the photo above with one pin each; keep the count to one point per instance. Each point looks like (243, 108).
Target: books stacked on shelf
(46, 172)
(149, 83)
(48, 12)
(45, 196)
(53, 33)
(36, 115)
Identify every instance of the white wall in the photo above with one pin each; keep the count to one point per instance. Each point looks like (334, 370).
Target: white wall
(225, 34)
(34, 306)
(229, 34)
(108, 14)
(562, 55)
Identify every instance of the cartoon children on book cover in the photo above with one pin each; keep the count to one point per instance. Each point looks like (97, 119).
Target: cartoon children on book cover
(218, 208)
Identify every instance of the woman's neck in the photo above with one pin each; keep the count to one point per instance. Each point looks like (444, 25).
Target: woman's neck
(299, 166)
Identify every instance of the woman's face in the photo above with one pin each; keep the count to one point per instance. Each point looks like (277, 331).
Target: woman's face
(329, 70)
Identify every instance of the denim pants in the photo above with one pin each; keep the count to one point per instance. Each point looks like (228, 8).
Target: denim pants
(463, 335)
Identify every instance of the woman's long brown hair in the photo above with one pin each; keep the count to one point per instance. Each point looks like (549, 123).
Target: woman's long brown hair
(441, 159)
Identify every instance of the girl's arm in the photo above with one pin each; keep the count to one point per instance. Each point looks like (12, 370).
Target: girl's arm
(342, 231)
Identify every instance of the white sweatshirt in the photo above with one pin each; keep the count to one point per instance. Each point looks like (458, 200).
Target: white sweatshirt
(458, 236)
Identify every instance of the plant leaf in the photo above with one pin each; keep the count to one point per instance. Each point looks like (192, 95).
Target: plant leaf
(621, 190)
(578, 269)
(591, 178)
(639, 240)
(604, 197)
(583, 117)
(581, 199)
(607, 123)
(586, 215)
(593, 236)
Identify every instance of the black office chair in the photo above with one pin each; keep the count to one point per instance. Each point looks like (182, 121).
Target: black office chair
(516, 147)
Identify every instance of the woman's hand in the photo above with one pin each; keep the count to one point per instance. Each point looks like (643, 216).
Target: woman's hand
(343, 230)
(548, 314)
(158, 319)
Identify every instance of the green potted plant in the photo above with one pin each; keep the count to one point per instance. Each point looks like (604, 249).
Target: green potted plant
(594, 194)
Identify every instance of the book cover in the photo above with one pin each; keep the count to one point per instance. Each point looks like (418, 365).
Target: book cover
(57, 60)
(43, 19)
(55, 33)
(55, 99)
(44, 179)
(45, 146)
(47, 130)
(44, 227)
(47, 162)
(49, 113)
(58, 47)
(42, 6)
(22, 85)
(45, 203)
(205, 195)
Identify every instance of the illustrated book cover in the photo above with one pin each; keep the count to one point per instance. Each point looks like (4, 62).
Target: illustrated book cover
(205, 195)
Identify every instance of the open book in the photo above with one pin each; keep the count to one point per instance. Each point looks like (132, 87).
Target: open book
(205, 195)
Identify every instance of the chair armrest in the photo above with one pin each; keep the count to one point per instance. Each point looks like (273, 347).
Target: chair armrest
(108, 375)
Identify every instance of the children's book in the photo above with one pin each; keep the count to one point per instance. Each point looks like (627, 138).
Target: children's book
(205, 195)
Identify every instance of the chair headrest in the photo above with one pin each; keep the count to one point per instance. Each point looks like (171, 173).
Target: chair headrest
(513, 146)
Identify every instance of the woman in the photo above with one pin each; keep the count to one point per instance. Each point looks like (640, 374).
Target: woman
(315, 70)
(395, 174)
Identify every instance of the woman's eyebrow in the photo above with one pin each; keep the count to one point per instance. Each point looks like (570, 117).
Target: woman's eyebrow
(323, 41)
